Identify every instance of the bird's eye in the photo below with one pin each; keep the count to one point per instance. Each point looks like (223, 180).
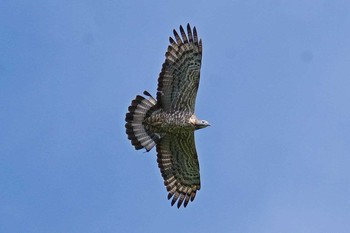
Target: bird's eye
(203, 122)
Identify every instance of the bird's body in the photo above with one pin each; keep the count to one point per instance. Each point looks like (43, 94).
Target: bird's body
(164, 122)
(168, 122)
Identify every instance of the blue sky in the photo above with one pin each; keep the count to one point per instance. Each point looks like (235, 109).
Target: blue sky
(274, 85)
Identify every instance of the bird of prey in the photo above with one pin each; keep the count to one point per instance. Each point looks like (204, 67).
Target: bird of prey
(168, 122)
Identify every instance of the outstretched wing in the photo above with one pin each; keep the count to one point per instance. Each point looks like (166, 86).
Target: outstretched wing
(179, 79)
(178, 163)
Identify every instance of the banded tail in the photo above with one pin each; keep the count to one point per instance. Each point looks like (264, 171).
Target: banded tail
(139, 133)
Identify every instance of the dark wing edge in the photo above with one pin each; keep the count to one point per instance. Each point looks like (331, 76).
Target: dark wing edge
(179, 78)
(179, 166)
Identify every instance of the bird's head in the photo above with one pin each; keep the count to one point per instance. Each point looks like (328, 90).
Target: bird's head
(200, 124)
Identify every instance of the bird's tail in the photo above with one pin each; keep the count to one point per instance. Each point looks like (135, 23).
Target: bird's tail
(139, 134)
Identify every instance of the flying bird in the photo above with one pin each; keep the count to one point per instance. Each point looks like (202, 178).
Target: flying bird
(168, 122)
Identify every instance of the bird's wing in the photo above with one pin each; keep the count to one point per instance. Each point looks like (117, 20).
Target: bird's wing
(179, 78)
(178, 163)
